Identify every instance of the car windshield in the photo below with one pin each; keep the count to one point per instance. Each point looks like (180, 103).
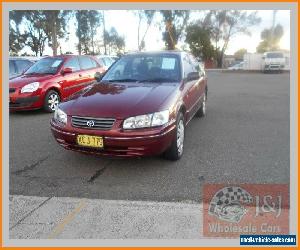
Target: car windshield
(145, 68)
(274, 55)
(47, 65)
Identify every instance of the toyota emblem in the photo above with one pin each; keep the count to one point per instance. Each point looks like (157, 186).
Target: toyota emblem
(90, 123)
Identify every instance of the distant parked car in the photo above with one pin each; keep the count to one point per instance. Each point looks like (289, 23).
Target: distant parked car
(106, 61)
(18, 65)
(237, 66)
(51, 80)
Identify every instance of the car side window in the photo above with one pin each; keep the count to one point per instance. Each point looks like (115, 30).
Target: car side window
(95, 64)
(22, 65)
(108, 61)
(12, 69)
(101, 62)
(73, 63)
(187, 66)
(86, 62)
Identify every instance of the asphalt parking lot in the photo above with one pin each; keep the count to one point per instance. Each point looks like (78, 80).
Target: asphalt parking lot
(243, 139)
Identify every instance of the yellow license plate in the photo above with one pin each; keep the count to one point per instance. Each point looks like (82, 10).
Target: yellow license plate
(90, 141)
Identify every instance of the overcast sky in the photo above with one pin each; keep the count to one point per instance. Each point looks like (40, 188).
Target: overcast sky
(126, 24)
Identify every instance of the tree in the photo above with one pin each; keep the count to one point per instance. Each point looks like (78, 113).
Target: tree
(198, 39)
(225, 24)
(16, 39)
(114, 41)
(175, 22)
(35, 35)
(82, 31)
(40, 26)
(87, 23)
(270, 39)
(143, 16)
(55, 27)
(239, 54)
(94, 20)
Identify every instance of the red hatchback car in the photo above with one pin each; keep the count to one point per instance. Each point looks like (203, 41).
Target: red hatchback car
(51, 80)
(140, 107)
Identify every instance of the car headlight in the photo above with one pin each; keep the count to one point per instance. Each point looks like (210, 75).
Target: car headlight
(147, 121)
(60, 116)
(31, 87)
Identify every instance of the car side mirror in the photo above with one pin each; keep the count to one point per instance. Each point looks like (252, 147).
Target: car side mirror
(193, 76)
(98, 76)
(66, 71)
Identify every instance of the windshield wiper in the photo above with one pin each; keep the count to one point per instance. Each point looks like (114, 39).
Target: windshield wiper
(158, 79)
(39, 73)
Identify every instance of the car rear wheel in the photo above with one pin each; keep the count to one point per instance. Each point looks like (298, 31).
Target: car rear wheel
(175, 151)
(52, 99)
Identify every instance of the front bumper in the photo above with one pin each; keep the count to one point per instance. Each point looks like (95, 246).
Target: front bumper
(117, 143)
(274, 67)
(24, 101)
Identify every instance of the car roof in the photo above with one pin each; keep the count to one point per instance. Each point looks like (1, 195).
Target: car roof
(21, 59)
(162, 52)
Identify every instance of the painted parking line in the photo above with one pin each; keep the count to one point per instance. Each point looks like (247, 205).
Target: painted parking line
(60, 227)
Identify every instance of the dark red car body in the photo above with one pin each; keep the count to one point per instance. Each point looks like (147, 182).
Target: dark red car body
(65, 84)
(119, 101)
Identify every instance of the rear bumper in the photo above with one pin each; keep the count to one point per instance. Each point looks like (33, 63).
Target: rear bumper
(122, 145)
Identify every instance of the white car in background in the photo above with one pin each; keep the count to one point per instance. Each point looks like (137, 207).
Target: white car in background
(237, 66)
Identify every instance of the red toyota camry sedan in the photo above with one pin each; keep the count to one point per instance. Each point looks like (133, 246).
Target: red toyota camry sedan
(140, 107)
(51, 80)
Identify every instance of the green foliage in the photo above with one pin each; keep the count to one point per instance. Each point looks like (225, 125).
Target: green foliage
(40, 26)
(144, 16)
(224, 24)
(175, 22)
(239, 54)
(114, 41)
(270, 39)
(198, 38)
(87, 23)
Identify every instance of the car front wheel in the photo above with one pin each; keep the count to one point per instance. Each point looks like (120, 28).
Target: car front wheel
(52, 99)
(175, 151)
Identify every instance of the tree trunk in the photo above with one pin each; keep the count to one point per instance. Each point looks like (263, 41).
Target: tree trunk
(54, 39)
(104, 40)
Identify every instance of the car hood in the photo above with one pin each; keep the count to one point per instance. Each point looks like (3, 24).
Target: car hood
(119, 100)
(22, 80)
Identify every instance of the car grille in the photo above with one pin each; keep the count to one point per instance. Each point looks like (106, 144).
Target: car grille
(92, 123)
(11, 90)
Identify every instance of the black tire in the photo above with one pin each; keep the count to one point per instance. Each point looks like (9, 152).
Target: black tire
(174, 153)
(50, 103)
(202, 110)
